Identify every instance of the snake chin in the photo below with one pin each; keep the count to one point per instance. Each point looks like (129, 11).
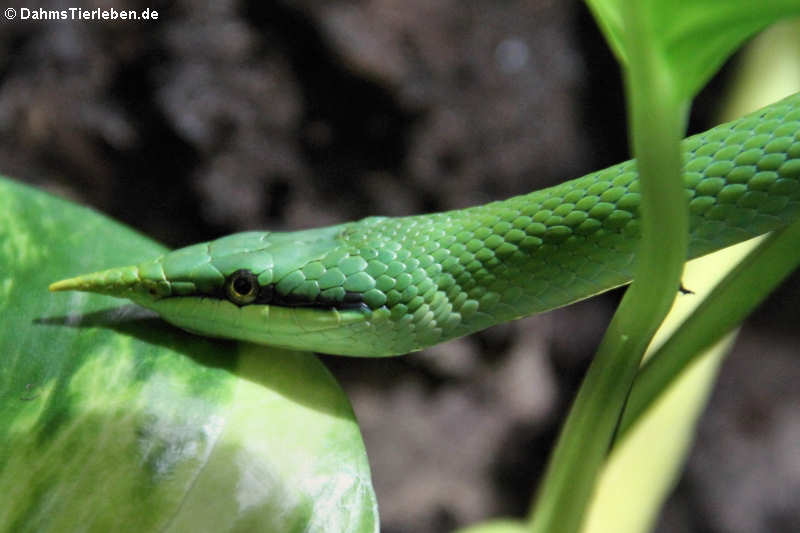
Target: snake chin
(333, 331)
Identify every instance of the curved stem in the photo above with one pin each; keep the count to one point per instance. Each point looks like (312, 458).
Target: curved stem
(657, 122)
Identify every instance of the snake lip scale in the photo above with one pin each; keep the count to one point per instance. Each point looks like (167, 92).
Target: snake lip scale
(386, 286)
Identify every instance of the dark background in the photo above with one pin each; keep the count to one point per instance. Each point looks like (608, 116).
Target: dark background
(226, 116)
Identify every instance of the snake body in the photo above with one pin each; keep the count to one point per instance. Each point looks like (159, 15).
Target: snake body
(384, 286)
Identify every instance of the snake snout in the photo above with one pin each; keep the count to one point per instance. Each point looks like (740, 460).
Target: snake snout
(114, 282)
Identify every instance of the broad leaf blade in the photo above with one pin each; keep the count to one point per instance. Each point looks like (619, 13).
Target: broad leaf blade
(694, 37)
(111, 420)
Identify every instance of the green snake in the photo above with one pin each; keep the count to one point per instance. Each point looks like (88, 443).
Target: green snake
(385, 286)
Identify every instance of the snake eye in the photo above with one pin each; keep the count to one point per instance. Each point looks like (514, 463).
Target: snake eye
(242, 287)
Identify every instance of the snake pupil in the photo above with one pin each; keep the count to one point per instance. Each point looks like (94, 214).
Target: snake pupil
(242, 287)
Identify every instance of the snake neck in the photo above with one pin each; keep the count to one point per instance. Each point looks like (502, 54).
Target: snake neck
(449, 274)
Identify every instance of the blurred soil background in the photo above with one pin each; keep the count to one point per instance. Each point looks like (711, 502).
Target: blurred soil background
(228, 116)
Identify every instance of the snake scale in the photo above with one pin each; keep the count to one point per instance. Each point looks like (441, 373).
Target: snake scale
(385, 286)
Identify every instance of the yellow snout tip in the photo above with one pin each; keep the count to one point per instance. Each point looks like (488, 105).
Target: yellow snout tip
(69, 284)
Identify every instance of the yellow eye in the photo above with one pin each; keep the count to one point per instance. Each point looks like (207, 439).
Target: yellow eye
(242, 287)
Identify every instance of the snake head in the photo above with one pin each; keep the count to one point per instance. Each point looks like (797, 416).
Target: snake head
(304, 290)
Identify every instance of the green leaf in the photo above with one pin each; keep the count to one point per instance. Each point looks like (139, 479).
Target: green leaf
(671, 390)
(645, 461)
(669, 393)
(668, 50)
(111, 420)
(643, 467)
(767, 70)
(735, 297)
(693, 37)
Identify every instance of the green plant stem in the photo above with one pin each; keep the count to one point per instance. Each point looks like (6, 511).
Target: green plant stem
(657, 123)
(728, 304)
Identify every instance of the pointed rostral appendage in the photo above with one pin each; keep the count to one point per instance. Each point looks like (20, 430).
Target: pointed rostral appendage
(113, 282)
(131, 282)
